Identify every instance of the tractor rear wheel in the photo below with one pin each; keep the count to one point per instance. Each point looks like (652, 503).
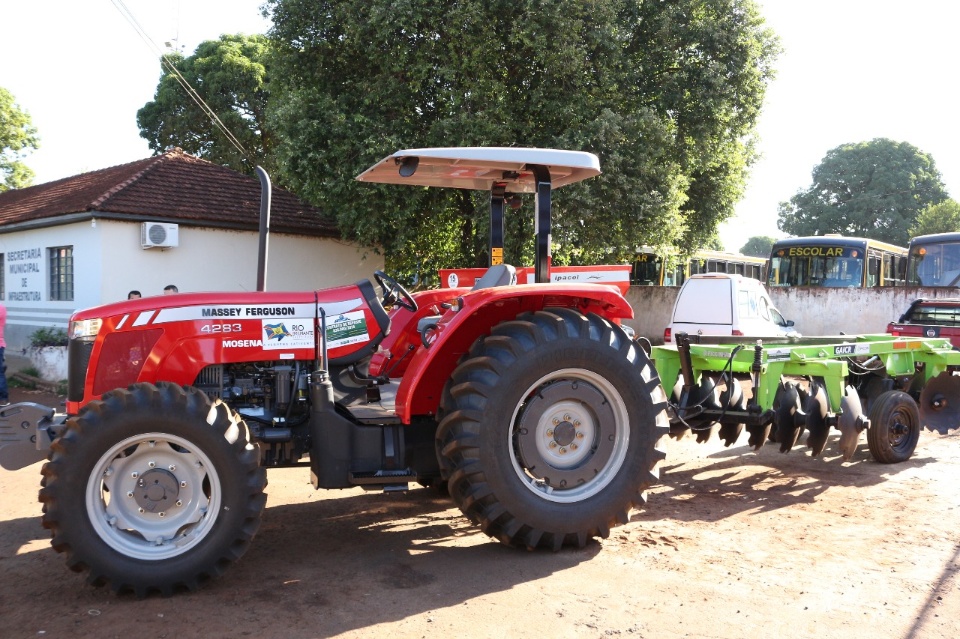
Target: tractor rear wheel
(153, 489)
(894, 427)
(550, 429)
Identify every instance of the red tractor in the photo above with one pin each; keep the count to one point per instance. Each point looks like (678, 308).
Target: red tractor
(529, 403)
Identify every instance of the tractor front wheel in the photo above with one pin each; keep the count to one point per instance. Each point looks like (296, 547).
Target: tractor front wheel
(550, 429)
(153, 489)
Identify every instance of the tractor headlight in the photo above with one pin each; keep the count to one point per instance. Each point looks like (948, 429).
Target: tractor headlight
(85, 329)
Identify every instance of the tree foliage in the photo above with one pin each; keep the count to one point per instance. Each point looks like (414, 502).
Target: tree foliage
(943, 217)
(872, 189)
(230, 75)
(758, 246)
(17, 137)
(666, 93)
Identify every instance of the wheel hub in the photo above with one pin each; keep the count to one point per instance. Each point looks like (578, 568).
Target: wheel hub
(565, 435)
(157, 490)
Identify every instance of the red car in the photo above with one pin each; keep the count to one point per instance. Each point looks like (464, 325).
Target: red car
(929, 318)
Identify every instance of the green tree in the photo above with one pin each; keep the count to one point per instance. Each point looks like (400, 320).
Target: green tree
(666, 93)
(230, 75)
(17, 137)
(758, 246)
(943, 217)
(870, 189)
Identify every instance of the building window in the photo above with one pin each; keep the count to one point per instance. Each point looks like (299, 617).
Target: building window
(61, 273)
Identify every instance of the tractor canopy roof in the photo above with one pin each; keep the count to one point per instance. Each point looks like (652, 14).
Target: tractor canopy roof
(480, 168)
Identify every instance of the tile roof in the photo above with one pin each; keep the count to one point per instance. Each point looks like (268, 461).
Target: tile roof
(172, 187)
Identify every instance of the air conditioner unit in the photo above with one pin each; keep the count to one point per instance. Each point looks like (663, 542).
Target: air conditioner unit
(159, 235)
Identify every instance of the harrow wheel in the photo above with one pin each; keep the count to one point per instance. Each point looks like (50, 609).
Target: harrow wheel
(894, 427)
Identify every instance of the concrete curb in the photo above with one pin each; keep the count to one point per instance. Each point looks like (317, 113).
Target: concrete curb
(36, 382)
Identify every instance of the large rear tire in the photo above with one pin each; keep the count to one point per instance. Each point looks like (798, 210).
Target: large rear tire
(153, 489)
(550, 429)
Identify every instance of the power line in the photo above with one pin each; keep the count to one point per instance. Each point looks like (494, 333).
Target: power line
(182, 81)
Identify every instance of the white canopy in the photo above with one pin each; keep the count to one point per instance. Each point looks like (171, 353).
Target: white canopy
(479, 167)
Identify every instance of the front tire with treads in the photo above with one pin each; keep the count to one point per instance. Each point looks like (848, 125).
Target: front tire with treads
(153, 489)
(550, 429)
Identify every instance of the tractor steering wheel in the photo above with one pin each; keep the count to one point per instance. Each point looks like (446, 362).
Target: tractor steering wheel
(393, 293)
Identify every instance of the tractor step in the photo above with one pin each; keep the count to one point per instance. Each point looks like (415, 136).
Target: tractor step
(385, 478)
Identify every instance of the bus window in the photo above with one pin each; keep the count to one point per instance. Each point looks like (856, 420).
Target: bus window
(873, 270)
(673, 276)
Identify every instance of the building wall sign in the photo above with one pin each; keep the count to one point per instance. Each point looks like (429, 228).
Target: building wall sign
(25, 275)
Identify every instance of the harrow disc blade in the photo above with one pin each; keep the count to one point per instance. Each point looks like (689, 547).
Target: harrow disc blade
(816, 421)
(940, 403)
(758, 435)
(850, 422)
(708, 396)
(788, 430)
(734, 399)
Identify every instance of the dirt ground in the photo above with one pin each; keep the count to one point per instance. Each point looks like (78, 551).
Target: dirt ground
(732, 544)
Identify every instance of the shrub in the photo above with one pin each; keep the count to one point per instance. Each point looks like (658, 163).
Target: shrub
(48, 336)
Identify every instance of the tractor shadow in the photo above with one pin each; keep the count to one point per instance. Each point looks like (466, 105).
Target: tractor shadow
(715, 483)
(335, 562)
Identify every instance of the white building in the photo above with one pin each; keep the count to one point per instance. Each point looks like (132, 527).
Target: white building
(170, 219)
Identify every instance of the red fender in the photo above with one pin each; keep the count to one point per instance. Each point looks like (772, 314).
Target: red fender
(429, 368)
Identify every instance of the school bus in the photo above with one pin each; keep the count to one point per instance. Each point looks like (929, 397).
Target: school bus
(832, 261)
(934, 260)
(652, 269)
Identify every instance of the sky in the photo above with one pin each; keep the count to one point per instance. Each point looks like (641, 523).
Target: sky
(851, 71)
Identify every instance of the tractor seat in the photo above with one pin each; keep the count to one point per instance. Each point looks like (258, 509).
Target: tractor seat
(498, 275)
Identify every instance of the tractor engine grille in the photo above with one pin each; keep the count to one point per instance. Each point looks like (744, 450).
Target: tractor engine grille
(78, 358)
